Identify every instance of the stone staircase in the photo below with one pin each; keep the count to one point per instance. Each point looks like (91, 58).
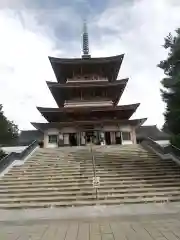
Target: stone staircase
(69, 176)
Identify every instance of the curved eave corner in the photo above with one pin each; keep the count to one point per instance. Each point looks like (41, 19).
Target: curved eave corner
(40, 126)
(130, 106)
(133, 108)
(42, 110)
(36, 125)
(125, 81)
(142, 121)
(118, 58)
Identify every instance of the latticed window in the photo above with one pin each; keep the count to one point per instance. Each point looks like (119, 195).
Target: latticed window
(53, 138)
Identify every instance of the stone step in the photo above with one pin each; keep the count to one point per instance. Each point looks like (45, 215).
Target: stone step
(97, 153)
(64, 177)
(99, 172)
(119, 170)
(118, 198)
(102, 159)
(100, 154)
(80, 180)
(55, 164)
(77, 150)
(102, 175)
(88, 192)
(121, 156)
(85, 171)
(115, 185)
(105, 165)
(98, 167)
(89, 155)
(92, 197)
(88, 182)
(39, 166)
(43, 172)
(40, 169)
(88, 202)
(84, 185)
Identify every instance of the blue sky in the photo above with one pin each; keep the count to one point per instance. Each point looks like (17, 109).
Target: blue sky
(32, 30)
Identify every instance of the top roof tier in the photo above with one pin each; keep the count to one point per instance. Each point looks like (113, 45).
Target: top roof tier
(68, 68)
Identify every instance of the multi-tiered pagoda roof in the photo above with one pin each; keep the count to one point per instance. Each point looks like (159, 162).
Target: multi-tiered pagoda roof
(81, 83)
(66, 91)
(67, 68)
(87, 92)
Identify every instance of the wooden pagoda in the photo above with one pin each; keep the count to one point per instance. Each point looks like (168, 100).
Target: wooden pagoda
(87, 94)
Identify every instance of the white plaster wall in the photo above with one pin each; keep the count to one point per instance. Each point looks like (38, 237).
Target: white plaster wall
(69, 130)
(46, 139)
(110, 128)
(125, 128)
(66, 139)
(127, 142)
(52, 131)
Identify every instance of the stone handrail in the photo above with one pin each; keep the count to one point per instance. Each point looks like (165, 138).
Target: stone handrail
(150, 142)
(10, 158)
(173, 149)
(93, 158)
(170, 149)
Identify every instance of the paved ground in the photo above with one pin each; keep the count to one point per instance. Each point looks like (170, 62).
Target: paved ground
(90, 212)
(167, 227)
(128, 222)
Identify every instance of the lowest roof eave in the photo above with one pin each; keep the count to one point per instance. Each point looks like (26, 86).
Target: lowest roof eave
(65, 114)
(46, 126)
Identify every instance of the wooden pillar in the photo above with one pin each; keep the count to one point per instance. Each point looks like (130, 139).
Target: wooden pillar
(102, 138)
(133, 136)
(61, 139)
(46, 140)
(113, 138)
(78, 137)
(83, 141)
(66, 139)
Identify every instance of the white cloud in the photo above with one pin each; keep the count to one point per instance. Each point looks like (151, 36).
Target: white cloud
(137, 29)
(24, 67)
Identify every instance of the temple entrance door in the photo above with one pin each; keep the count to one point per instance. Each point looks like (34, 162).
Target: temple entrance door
(108, 138)
(89, 137)
(118, 138)
(73, 139)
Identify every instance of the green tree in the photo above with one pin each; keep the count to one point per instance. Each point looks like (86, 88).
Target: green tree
(2, 154)
(8, 130)
(171, 86)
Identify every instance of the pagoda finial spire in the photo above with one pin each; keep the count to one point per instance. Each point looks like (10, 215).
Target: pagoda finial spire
(85, 41)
